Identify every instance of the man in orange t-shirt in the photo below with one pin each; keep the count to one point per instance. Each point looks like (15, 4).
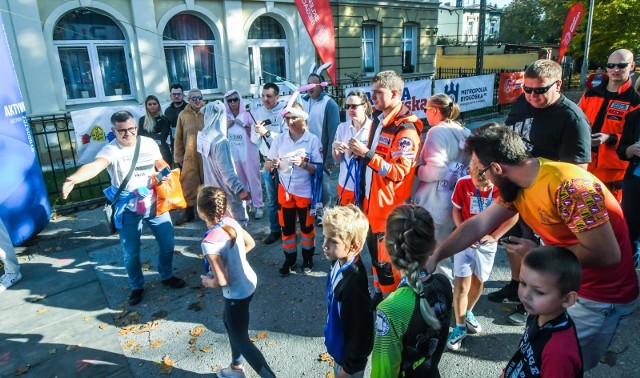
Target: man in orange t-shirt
(569, 207)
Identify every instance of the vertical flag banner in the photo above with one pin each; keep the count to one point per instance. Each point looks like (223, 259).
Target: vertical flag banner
(570, 25)
(317, 19)
(510, 87)
(24, 204)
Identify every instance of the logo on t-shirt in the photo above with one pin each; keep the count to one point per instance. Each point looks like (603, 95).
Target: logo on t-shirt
(382, 323)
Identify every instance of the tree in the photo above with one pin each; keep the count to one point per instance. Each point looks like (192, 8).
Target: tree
(533, 21)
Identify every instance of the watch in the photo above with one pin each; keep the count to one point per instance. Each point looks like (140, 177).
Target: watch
(267, 134)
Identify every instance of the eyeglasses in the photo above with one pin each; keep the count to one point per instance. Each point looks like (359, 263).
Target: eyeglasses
(131, 130)
(291, 119)
(196, 98)
(482, 171)
(617, 65)
(539, 91)
(177, 94)
(352, 106)
(233, 99)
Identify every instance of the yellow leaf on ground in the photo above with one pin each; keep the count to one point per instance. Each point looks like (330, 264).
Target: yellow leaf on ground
(330, 374)
(261, 335)
(136, 349)
(252, 340)
(167, 361)
(192, 341)
(103, 326)
(42, 310)
(199, 330)
(129, 344)
(155, 343)
(193, 349)
(205, 349)
(87, 318)
(324, 357)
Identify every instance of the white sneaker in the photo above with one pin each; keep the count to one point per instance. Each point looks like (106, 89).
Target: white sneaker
(7, 280)
(228, 372)
(259, 213)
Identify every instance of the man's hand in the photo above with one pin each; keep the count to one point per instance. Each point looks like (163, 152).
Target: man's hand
(633, 150)
(244, 195)
(357, 148)
(260, 129)
(67, 187)
(296, 160)
(431, 264)
(598, 138)
(520, 246)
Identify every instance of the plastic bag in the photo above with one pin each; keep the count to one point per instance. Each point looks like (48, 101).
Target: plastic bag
(169, 193)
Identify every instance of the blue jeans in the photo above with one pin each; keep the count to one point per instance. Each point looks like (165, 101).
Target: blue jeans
(271, 187)
(597, 326)
(330, 186)
(130, 240)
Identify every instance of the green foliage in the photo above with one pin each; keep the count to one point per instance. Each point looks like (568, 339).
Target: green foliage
(533, 21)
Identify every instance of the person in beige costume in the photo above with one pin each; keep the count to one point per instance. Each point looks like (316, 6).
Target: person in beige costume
(190, 121)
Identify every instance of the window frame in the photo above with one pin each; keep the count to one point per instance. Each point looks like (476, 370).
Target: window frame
(375, 41)
(414, 42)
(254, 54)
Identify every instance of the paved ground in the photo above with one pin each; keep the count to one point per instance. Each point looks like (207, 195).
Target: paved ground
(68, 316)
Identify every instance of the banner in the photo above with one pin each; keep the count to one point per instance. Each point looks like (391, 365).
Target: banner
(510, 87)
(474, 92)
(414, 96)
(93, 129)
(24, 202)
(570, 25)
(317, 19)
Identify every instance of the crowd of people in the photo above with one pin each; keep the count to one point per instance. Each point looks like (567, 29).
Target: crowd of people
(431, 214)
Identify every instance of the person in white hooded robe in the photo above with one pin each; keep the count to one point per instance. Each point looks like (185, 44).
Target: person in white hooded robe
(217, 164)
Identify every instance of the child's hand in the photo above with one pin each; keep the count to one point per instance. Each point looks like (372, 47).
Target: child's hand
(207, 281)
(487, 239)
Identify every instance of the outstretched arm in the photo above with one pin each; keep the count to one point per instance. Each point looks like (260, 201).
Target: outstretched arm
(84, 173)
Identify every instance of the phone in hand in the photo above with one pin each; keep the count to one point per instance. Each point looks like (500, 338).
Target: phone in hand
(165, 172)
(266, 122)
(506, 240)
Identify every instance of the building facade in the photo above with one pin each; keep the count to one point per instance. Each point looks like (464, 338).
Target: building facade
(458, 22)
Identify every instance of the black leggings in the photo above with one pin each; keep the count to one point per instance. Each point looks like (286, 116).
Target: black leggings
(631, 205)
(236, 321)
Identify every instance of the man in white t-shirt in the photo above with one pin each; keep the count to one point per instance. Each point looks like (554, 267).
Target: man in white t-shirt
(131, 207)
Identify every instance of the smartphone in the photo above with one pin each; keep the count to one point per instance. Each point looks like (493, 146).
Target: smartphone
(266, 122)
(506, 240)
(166, 171)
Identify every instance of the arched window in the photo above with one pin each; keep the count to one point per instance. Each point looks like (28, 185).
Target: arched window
(268, 54)
(189, 51)
(93, 56)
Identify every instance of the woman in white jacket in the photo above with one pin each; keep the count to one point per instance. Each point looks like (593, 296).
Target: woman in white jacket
(443, 161)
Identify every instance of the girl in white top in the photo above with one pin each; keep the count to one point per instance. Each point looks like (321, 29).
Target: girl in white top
(358, 125)
(225, 246)
(443, 161)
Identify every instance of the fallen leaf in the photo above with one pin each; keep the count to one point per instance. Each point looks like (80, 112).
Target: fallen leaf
(199, 330)
(324, 357)
(23, 369)
(156, 343)
(193, 349)
(42, 310)
(252, 340)
(261, 335)
(136, 349)
(215, 368)
(271, 342)
(127, 329)
(192, 341)
(72, 347)
(146, 267)
(87, 318)
(37, 298)
(330, 374)
(103, 326)
(53, 351)
(205, 349)
(166, 365)
(129, 344)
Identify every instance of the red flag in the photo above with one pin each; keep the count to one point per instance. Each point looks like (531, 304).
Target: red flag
(510, 87)
(317, 19)
(570, 25)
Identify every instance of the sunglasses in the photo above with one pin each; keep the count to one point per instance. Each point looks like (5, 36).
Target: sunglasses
(482, 171)
(351, 106)
(196, 98)
(539, 91)
(291, 119)
(131, 130)
(235, 99)
(617, 65)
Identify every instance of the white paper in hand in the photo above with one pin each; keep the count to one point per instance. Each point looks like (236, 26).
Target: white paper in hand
(203, 144)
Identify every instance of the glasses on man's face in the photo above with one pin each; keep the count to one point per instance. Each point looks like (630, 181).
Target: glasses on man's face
(539, 91)
(351, 106)
(130, 130)
(235, 99)
(482, 171)
(177, 94)
(617, 65)
(196, 98)
(291, 119)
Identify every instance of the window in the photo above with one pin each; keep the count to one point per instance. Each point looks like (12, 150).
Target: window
(409, 45)
(94, 58)
(369, 49)
(189, 51)
(268, 54)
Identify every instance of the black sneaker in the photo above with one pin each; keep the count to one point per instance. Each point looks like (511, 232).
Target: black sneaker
(518, 316)
(508, 294)
(307, 266)
(135, 297)
(174, 282)
(285, 270)
(272, 238)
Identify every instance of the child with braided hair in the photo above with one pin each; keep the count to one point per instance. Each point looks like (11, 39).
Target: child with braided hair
(224, 247)
(412, 323)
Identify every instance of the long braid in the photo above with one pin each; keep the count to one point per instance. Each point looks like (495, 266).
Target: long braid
(410, 241)
(212, 203)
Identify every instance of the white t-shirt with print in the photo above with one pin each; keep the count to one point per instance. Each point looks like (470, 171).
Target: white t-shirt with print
(345, 132)
(296, 180)
(120, 158)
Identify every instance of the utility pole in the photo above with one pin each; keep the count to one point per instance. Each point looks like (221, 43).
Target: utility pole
(587, 41)
(480, 49)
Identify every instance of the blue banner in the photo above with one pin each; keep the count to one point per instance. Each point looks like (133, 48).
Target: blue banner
(24, 204)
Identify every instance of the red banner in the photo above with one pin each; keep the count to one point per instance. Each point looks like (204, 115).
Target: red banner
(317, 19)
(570, 25)
(510, 87)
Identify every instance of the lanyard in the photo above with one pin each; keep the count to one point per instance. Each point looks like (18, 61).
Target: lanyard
(333, 277)
(480, 206)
